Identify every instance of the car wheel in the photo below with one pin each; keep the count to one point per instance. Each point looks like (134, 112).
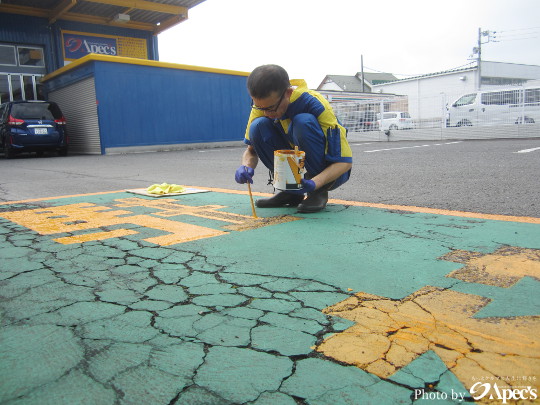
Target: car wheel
(8, 151)
(528, 120)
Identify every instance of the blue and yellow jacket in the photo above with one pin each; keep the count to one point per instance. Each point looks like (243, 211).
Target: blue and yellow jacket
(304, 100)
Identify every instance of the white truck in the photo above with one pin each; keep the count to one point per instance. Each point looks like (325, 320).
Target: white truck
(518, 105)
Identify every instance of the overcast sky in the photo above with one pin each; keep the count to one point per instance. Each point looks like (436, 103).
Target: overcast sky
(315, 38)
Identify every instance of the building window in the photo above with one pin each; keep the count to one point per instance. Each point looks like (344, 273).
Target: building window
(30, 56)
(502, 81)
(532, 96)
(7, 55)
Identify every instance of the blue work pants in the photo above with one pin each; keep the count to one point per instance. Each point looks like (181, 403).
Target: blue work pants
(267, 136)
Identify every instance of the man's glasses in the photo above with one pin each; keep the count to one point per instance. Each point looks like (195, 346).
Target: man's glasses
(272, 108)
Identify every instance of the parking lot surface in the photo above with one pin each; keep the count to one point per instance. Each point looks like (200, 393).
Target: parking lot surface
(488, 176)
(119, 298)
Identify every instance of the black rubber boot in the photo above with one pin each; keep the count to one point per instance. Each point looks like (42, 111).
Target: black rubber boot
(315, 201)
(281, 199)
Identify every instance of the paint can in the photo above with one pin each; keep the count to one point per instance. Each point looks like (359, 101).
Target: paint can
(289, 169)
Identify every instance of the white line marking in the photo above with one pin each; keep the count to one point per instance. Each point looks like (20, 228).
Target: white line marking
(410, 147)
(216, 149)
(527, 150)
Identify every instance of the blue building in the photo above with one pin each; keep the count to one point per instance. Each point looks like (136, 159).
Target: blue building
(99, 60)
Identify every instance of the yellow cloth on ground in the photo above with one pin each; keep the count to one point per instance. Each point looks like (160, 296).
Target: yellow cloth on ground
(164, 188)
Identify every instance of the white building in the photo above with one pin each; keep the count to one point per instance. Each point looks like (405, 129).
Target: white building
(428, 94)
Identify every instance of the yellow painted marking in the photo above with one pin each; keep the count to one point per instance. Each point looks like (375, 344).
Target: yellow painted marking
(502, 268)
(389, 334)
(519, 265)
(87, 216)
(262, 222)
(170, 208)
(435, 211)
(407, 208)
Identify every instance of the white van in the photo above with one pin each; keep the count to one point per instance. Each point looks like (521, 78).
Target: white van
(496, 107)
(395, 120)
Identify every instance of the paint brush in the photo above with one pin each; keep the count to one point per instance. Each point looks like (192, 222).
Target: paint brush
(251, 199)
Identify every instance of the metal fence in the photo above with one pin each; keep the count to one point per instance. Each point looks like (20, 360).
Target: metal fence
(20, 86)
(493, 112)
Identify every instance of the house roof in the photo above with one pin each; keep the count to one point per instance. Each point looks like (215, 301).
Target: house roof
(377, 78)
(148, 15)
(445, 72)
(354, 83)
(347, 83)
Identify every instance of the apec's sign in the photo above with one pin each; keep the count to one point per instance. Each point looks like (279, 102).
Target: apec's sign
(76, 45)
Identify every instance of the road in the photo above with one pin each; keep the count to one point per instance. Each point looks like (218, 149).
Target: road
(110, 297)
(484, 176)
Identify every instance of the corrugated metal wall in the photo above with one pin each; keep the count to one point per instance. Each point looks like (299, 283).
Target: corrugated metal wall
(27, 30)
(21, 29)
(78, 103)
(148, 105)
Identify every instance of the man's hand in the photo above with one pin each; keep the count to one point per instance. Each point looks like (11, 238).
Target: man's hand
(244, 174)
(307, 187)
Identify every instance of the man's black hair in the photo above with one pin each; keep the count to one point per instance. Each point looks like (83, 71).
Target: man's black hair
(266, 79)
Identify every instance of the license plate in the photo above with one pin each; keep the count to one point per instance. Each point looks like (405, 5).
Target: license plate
(40, 131)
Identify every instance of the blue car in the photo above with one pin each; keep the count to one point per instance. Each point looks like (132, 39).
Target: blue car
(32, 126)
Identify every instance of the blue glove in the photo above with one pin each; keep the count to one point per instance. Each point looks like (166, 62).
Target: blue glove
(244, 174)
(307, 187)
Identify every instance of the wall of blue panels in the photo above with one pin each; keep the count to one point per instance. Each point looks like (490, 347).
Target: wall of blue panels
(149, 105)
(28, 30)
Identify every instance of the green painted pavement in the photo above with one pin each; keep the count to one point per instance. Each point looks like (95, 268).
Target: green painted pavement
(230, 319)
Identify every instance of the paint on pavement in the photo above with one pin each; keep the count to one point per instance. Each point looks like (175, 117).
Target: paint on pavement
(112, 299)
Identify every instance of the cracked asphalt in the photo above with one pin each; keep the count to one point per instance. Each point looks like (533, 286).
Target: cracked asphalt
(118, 298)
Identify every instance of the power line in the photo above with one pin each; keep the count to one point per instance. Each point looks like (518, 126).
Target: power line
(517, 34)
(381, 71)
(513, 39)
(419, 74)
(520, 29)
(513, 35)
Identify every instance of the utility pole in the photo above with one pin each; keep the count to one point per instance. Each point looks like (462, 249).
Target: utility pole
(362, 71)
(478, 51)
(479, 60)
